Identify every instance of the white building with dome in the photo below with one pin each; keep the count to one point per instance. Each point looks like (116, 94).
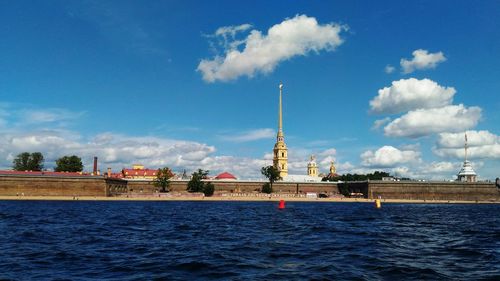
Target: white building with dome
(467, 173)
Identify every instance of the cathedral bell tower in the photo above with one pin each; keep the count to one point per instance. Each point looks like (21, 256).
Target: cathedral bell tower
(280, 152)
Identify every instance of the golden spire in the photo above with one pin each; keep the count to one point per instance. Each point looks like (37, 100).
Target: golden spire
(280, 114)
(280, 160)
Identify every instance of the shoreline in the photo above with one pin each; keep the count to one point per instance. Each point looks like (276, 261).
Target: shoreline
(235, 199)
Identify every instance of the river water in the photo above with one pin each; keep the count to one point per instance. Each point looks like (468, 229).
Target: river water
(82, 240)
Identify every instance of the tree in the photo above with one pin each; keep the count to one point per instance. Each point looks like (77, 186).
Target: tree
(71, 163)
(196, 183)
(163, 179)
(271, 173)
(208, 189)
(28, 161)
(357, 177)
(266, 188)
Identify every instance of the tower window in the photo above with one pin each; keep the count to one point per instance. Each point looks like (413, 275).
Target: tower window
(282, 154)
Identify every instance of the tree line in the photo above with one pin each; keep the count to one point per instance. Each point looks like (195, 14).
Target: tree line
(377, 175)
(34, 161)
(196, 184)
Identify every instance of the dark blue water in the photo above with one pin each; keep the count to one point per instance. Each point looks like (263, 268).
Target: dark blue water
(43, 240)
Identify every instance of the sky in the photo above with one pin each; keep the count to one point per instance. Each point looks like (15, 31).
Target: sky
(390, 86)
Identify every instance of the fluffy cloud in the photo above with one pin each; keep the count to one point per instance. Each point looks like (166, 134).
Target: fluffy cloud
(422, 122)
(262, 53)
(410, 94)
(388, 156)
(474, 138)
(422, 59)
(251, 135)
(482, 144)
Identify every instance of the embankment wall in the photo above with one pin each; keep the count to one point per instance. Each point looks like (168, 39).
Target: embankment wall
(13, 185)
(479, 191)
(135, 186)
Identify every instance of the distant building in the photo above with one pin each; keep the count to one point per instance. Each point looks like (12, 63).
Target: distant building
(467, 173)
(333, 171)
(312, 168)
(138, 172)
(280, 152)
(225, 176)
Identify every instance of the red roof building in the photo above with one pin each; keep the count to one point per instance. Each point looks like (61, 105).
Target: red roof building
(139, 172)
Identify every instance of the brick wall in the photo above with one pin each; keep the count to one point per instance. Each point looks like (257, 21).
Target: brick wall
(433, 190)
(13, 185)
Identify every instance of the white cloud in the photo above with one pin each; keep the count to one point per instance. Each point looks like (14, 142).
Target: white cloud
(251, 135)
(423, 122)
(474, 138)
(261, 53)
(388, 156)
(389, 69)
(440, 168)
(232, 30)
(481, 145)
(381, 122)
(422, 59)
(410, 94)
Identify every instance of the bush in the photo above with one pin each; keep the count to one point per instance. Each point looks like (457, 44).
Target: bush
(208, 189)
(266, 188)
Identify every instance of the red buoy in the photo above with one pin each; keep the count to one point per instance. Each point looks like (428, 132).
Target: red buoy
(282, 204)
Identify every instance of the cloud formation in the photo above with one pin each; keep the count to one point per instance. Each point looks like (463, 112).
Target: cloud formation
(481, 145)
(261, 53)
(410, 94)
(388, 157)
(251, 135)
(423, 122)
(422, 59)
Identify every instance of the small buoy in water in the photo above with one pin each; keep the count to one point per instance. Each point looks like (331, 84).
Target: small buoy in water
(378, 204)
(282, 204)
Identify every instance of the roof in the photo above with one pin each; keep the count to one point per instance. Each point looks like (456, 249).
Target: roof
(139, 172)
(225, 176)
(467, 170)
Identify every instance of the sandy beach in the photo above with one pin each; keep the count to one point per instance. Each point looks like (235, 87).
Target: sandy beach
(238, 198)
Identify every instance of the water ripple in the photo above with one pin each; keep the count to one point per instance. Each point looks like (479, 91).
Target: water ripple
(247, 241)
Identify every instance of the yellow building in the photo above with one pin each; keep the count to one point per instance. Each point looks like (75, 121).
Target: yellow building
(312, 168)
(280, 152)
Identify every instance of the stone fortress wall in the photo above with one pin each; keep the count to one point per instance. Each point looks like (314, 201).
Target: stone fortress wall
(12, 185)
(19, 185)
(416, 190)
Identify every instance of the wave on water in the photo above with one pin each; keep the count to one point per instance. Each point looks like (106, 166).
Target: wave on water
(50, 240)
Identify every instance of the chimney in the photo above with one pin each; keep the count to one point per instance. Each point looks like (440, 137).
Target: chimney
(109, 172)
(95, 166)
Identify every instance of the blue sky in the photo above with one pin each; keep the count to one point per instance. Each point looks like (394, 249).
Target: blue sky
(194, 84)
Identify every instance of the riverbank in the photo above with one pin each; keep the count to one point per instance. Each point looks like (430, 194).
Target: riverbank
(239, 198)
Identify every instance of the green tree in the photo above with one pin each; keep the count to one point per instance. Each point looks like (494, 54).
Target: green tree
(208, 189)
(162, 180)
(71, 163)
(28, 161)
(266, 188)
(271, 173)
(196, 184)
(357, 177)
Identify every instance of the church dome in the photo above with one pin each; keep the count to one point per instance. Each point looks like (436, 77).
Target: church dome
(225, 176)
